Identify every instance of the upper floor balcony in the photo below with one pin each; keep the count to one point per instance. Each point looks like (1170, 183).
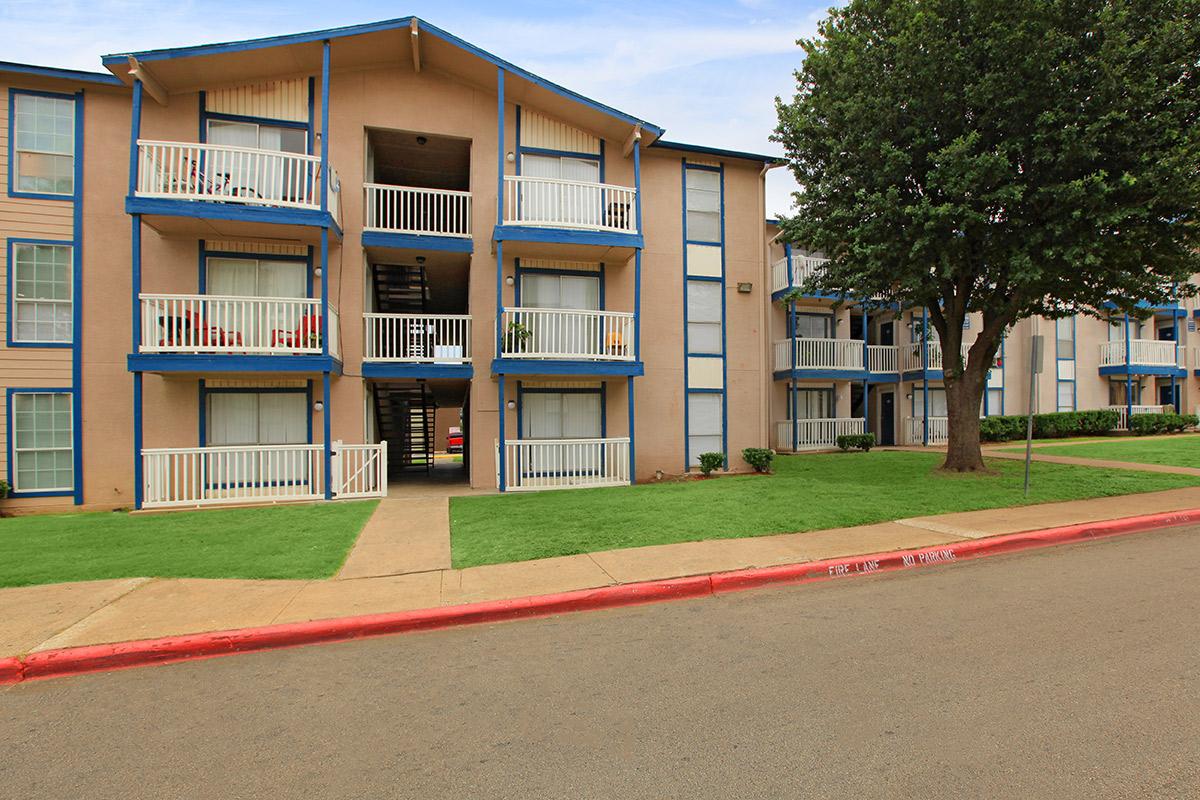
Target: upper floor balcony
(232, 188)
(1143, 356)
(559, 212)
(791, 273)
(833, 358)
(417, 345)
(417, 211)
(203, 332)
(562, 341)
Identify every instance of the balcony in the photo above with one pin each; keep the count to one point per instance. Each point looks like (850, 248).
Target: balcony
(540, 464)
(785, 277)
(183, 477)
(1123, 413)
(408, 216)
(939, 430)
(416, 345)
(228, 185)
(815, 434)
(547, 216)
(590, 342)
(819, 355)
(200, 332)
(1145, 356)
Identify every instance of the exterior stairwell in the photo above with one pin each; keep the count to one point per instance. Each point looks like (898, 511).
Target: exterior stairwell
(400, 289)
(404, 417)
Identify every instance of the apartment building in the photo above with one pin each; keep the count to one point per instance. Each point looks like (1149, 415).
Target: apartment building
(861, 365)
(257, 271)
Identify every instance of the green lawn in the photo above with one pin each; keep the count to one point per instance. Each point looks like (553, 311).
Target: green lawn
(808, 492)
(1178, 451)
(300, 541)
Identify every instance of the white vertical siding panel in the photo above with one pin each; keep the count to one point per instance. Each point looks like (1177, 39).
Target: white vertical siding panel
(283, 99)
(538, 130)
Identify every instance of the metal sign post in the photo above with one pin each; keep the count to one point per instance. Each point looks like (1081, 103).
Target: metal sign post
(1035, 369)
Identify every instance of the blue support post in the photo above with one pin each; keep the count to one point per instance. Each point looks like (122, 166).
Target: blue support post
(135, 129)
(500, 145)
(325, 126)
(791, 272)
(795, 410)
(925, 377)
(637, 256)
(135, 132)
(324, 291)
(632, 439)
(326, 425)
(1175, 334)
(500, 245)
(866, 369)
(501, 450)
(138, 480)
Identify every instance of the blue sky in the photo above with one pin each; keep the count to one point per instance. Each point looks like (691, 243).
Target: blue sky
(706, 71)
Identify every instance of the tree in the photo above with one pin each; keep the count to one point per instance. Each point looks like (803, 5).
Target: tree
(1016, 158)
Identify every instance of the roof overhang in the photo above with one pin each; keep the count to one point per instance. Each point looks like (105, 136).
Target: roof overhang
(74, 75)
(407, 40)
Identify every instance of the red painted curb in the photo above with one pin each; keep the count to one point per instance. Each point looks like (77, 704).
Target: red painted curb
(123, 655)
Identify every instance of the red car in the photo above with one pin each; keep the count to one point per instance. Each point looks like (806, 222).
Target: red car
(454, 440)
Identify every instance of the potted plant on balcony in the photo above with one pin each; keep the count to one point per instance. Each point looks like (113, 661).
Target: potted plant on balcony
(516, 335)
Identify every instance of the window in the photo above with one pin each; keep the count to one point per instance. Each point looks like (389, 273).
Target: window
(814, 326)
(1066, 396)
(1116, 393)
(42, 442)
(560, 291)
(995, 402)
(1064, 334)
(560, 415)
(43, 144)
(41, 293)
(561, 202)
(937, 402)
(705, 413)
(704, 317)
(240, 418)
(274, 178)
(703, 205)
(814, 403)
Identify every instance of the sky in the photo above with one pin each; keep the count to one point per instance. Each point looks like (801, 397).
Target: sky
(708, 72)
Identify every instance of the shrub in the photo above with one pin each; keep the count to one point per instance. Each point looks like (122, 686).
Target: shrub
(856, 441)
(759, 457)
(5, 488)
(711, 461)
(1001, 429)
(1189, 420)
(1148, 424)
(1098, 423)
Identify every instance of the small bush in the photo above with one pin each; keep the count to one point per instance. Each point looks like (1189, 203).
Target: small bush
(759, 457)
(711, 461)
(856, 441)
(1098, 423)
(5, 488)
(1189, 420)
(1002, 429)
(1149, 424)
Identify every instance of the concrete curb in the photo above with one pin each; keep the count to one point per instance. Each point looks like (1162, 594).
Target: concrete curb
(124, 655)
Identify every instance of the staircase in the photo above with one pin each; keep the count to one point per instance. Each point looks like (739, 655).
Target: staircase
(399, 289)
(404, 417)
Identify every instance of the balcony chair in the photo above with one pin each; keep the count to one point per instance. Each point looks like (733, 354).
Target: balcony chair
(306, 334)
(614, 344)
(176, 333)
(618, 215)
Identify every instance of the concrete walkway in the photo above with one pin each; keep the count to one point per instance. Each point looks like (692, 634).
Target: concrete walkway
(63, 615)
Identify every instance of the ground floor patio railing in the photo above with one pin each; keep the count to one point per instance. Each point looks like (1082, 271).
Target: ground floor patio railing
(815, 434)
(535, 464)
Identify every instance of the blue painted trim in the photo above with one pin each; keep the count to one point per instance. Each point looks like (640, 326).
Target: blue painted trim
(135, 130)
(546, 151)
(503, 414)
(529, 366)
(373, 27)
(500, 299)
(325, 293)
(75, 424)
(376, 369)
(1135, 369)
(716, 151)
(632, 435)
(411, 241)
(517, 168)
(687, 447)
(77, 155)
(1058, 381)
(529, 233)
(637, 261)
(59, 72)
(500, 120)
(802, 374)
(75, 299)
(188, 362)
(325, 126)
(204, 209)
(138, 480)
(312, 122)
(206, 115)
(77, 304)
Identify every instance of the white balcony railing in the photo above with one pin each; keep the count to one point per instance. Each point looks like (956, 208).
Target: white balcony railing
(803, 268)
(535, 464)
(816, 434)
(557, 203)
(203, 476)
(939, 430)
(820, 354)
(204, 323)
(1123, 413)
(427, 212)
(883, 358)
(552, 333)
(229, 174)
(199, 476)
(417, 338)
(1142, 353)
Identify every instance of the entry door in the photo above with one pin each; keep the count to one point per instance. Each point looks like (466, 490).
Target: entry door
(270, 179)
(887, 418)
(887, 333)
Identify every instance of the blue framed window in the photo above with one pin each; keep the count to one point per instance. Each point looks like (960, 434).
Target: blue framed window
(41, 146)
(41, 289)
(41, 442)
(1064, 363)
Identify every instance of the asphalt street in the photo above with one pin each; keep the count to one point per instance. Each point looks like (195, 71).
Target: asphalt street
(1070, 672)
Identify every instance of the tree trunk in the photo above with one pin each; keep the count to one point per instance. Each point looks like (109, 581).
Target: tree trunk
(964, 397)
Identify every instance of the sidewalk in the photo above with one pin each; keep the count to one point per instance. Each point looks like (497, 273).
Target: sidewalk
(67, 615)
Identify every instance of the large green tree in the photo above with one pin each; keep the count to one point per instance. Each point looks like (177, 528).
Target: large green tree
(1007, 157)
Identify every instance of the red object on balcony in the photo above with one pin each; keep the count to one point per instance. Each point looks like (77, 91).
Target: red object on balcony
(176, 332)
(307, 334)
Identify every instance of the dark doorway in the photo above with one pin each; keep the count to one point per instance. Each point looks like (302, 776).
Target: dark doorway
(887, 333)
(887, 417)
(1168, 395)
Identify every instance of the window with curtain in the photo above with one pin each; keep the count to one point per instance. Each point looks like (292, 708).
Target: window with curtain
(43, 144)
(42, 293)
(704, 317)
(705, 413)
(253, 277)
(1064, 335)
(273, 179)
(1117, 393)
(814, 404)
(258, 418)
(1066, 396)
(562, 415)
(937, 402)
(42, 442)
(814, 326)
(560, 291)
(562, 202)
(703, 205)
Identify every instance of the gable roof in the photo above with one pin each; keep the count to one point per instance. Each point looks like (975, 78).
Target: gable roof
(58, 72)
